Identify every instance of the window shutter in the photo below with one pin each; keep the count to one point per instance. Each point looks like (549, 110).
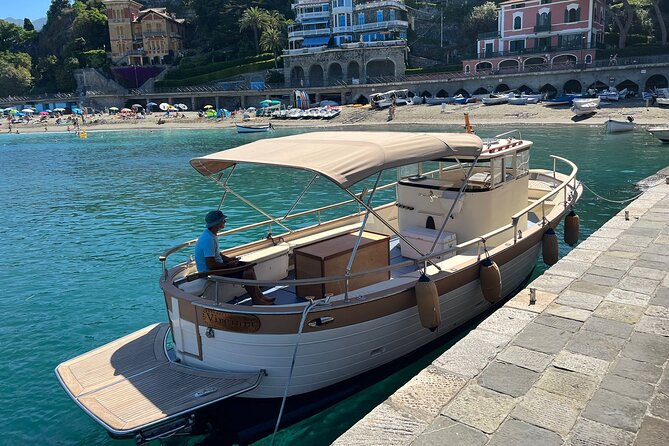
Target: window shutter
(559, 41)
(566, 16)
(549, 18)
(578, 15)
(538, 19)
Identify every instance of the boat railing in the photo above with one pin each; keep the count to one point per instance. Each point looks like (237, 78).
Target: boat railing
(479, 241)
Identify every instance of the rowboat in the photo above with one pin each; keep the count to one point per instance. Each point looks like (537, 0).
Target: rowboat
(517, 100)
(253, 128)
(495, 99)
(614, 126)
(662, 102)
(661, 133)
(396, 265)
(584, 102)
(560, 100)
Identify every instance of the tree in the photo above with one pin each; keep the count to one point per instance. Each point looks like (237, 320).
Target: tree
(272, 40)
(28, 25)
(623, 16)
(15, 76)
(660, 21)
(57, 8)
(482, 18)
(256, 19)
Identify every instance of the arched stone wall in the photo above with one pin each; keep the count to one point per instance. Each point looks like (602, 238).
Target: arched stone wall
(297, 76)
(509, 65)
(533, 61)
(572, 86)
(549, 90)
(426, 94)
(565, 59)
(335, 73)
(316, 78)
(481, 90)
(656, 81)
(630, 85)
(463, 92)
(483, 66)
(380, 68)
(598, 85)
(502, 88)
(353, 70)
(442, 93)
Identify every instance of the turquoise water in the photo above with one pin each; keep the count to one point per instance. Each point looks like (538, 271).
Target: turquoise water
(83, 223)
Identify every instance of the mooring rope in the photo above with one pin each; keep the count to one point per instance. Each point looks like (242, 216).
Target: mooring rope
(608, 199)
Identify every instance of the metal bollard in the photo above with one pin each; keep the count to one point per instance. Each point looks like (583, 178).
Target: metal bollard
(533, 296)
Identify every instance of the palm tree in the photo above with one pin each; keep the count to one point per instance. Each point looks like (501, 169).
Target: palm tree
(272, 40)
(256, 19)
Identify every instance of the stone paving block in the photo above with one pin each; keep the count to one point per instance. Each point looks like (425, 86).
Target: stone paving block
(542, 338)
(508, 321)
(521, 300)
(548, 410)
(443, 431)
(646, 273)
(566, 312)
(580, 363)
(638, 284)
(590, 433)
(657, 311)
(480, 408)
(653, 432)
(653, 325)
(518, 433)
(665, 281)
(607, 233)
(522, 357)
(647, 348)
(645, 228)
(383, 426)
(659, 407)
(628, 387)
(575, 386)
(662, 239)
(583, 255)
(607, 260)
(596, 345)
(426, 393)
(662, 259)
(584, 285)
(614, 273)
(551, 283)
(469, 356)
(630, 314)
(625, 251)
(619, 222)
(579, 299)
(661, 297)
(627, 297)
(663, 385)
(635, 240)
(609, 327)
(609, 282)
(508, 379)
(597, 243)
(656, 249)
(568, 268)
(559, 322)
(643, 263)
(615, 410)
(640, 371)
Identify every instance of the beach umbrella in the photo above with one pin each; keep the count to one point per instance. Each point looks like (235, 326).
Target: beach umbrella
(12, 111)
(77, 111)
(164, 106)
(206, 107)
(125, 110)
(151, 104)
(136, 106)
(48, 110)
(210, 113)
(59, 109)
(182, 107)
(28, 110)
(43, 113)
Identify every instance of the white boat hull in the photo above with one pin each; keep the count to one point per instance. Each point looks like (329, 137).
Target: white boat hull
(613, 126)
(252, 129)
(331, 356)
(660, 133)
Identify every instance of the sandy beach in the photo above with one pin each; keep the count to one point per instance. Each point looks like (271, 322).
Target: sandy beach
(505, 114)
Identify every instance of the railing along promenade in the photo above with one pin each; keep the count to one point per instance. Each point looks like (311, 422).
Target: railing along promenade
(241, 86)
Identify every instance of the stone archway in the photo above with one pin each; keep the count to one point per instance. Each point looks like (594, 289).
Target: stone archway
(481, 90)
(426, 94)
(462, 92)
(549, 90)
(656, 81)
(380, 68)
(598, 85)
(297, 76)
(502, 88)
(335, 73)
(632, 87)
(353, 70)
(442, 93)
(509, 66)
(532, 62)
(483, 66)
(572, 86)
(316, 76)
(565, 59)
(362, 99)
(525, 89)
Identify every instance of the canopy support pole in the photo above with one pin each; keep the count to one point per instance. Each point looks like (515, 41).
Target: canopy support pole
(300, 197)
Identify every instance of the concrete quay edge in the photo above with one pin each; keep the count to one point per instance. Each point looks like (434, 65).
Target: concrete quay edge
(586, 364)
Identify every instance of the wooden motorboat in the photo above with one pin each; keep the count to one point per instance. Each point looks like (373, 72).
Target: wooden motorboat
(661, 133)
(615, 126)
(394, 267)
(585, 108)
(243, 128)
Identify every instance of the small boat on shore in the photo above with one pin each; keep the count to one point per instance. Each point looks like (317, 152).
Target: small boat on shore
(615, 126)
(242, 128)
(438, 100)
(519, 100)
(585, 102)
(396, 265)
(661, 133)
(495, 99)
(560, 100)
(662, 102)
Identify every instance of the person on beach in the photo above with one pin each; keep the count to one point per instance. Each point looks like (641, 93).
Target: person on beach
(209, 258)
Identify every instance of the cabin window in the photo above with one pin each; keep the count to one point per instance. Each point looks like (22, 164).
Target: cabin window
(496, 168)
(508, 168)
(410, 170)
(523, 163)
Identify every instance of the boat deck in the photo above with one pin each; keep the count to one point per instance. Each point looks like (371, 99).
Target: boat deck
(130, 384)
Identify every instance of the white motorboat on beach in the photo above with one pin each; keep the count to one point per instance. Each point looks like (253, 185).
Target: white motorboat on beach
(495, 99)
(662, 102)
(586, 102)
(615, 126)
(661, 133)
(518, 100)
(243, 128)
(397, 264)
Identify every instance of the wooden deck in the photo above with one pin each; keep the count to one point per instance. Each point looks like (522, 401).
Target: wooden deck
(130, 384)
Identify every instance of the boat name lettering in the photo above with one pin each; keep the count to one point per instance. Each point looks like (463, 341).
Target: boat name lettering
(243, 323)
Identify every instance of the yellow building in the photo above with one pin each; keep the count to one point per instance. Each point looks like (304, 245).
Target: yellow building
(142, 36)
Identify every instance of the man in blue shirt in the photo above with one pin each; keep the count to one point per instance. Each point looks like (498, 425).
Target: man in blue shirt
(209, 258)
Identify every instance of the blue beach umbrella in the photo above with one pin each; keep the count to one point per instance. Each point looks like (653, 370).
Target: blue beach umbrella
(77, 111)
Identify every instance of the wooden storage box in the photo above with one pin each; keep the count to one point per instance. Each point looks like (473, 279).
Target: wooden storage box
(329, 258)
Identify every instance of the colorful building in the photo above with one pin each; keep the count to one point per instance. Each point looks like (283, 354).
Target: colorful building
(326, 42)
(540, 32)
(142, 36)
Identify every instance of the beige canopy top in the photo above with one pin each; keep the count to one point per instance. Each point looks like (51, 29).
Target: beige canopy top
(344, 157)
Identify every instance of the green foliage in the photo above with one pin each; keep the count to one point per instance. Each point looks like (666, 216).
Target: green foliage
(94, 58)
(14, 38)
(15, 76)
(28, 25)
(217, 75)
(205, 68)
(481, 19)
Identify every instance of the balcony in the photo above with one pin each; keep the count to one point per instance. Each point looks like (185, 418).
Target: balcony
(490, 35)
(381, 25)
(541, 50)
(546, 27)
(308, 32)
(379, 4)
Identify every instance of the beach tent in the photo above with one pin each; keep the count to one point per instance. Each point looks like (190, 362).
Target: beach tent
(269, 102)
(136, 106)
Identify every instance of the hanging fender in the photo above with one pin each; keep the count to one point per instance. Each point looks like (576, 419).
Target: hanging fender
(427, 300)
(572, 224)
(490, 280)
(550, 247)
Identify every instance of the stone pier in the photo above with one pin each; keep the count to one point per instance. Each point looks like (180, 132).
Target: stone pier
(586, 364)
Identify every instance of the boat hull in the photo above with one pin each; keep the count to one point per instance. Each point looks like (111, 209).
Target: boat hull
(252, 129)
(660, 133)
(613, 126)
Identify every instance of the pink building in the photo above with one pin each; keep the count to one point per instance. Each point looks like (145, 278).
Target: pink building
(539, 32)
